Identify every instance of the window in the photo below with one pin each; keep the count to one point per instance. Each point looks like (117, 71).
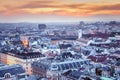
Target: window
(7, 75)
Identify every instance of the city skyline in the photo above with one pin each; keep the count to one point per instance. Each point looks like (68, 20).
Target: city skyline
(59, 11)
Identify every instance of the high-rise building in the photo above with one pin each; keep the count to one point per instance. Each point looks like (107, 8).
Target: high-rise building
(42, 27)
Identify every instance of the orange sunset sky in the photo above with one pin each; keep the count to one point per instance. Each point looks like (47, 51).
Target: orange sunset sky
(59, 10)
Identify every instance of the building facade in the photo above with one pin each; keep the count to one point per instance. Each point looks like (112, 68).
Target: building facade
(24, 60)
(13, 72)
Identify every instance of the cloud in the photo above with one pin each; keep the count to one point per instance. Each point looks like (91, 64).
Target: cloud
(38, 4)
(61, 8)
(107, 7)
(50, 4)
(110, 9)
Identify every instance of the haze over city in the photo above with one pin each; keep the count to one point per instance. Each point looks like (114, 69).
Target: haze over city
(59, 39)
(59, 10)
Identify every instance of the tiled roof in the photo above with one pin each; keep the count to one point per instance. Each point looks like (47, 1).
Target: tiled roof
(97, 58)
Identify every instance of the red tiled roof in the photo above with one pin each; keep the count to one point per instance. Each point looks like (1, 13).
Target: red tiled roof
(97, 58)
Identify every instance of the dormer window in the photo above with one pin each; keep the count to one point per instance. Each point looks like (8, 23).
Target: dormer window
(7, 75)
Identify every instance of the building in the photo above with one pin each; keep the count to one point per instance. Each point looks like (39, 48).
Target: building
(83, 41)
(42, 27)
(50, 48)
(53, 69)
(79, 34)
(2, 64)
(13, 72)
(24, 59)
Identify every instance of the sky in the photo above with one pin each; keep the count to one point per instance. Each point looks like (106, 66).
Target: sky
(59, 10)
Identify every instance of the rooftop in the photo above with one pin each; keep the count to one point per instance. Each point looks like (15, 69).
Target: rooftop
(27, 55)
(2, 64)
(13, 70)
(61, 66)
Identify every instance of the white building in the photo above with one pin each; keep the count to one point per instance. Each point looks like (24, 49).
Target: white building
(51, 48)
(79, 34)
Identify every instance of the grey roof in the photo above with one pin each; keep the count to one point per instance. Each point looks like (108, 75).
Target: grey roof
(69, 65)
(13, 70)
(2, 64)
(74, 75)
(32, 77)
